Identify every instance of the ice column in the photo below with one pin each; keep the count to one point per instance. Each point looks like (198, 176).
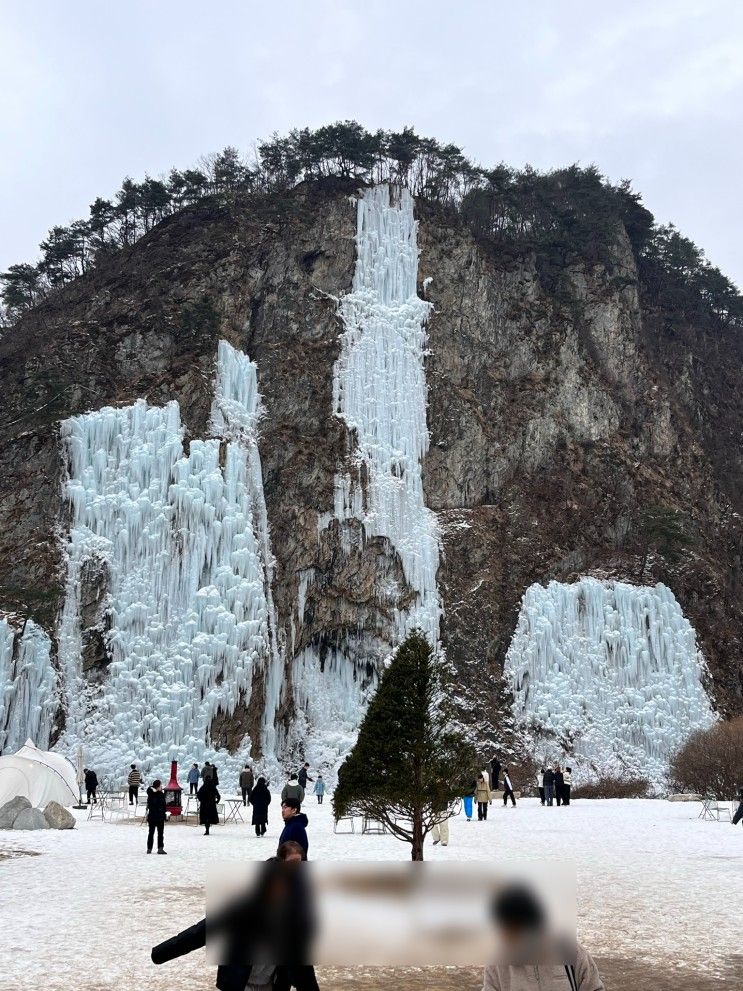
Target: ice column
(379, 390)
(28, 686)
(185, 545)
(608, 670)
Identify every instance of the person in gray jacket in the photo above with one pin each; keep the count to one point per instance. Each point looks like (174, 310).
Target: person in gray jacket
(246, 783)
(520, 920)
(292, 789)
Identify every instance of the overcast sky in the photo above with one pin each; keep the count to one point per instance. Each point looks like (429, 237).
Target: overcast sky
(652, 91)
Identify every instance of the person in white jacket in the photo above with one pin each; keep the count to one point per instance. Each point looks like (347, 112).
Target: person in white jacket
(520, 920)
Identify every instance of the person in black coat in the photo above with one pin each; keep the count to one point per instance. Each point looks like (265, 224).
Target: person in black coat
(549, 785)
(274, 919)
(91, 785)
(739, 811)
(295, 824)
(260, 799)
(494, 773)
(156, 816)
(208, 797)
(559, 785)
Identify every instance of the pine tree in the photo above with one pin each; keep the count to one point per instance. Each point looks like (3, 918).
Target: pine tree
(410, 763)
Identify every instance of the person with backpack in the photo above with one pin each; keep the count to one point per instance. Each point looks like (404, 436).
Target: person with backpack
(540, 784)
(567, 780)
(521, 922)
(549, 785)
(482, 797)
(319, 789)
(207, 771)
(134, 780)
(246, 783)
(193, 779)
(260, 799)
(208, 797)
(508, 789)
(156, 816)
(292, 789)
(559, 785)
(91, 785)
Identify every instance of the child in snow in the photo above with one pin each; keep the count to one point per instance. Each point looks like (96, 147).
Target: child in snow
(319, 789)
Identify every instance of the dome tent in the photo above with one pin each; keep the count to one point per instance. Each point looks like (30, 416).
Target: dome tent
(38, 775)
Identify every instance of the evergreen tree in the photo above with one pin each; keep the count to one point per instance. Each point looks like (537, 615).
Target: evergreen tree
(409, 763)
(664, 530)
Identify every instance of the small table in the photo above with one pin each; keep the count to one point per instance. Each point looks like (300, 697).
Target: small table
(235, 810)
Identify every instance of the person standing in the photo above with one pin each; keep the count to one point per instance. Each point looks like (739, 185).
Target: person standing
(495, 773)
(295, 824)
(246, 783)
(304, 775)
(156, 816)
(319, 789)
(134, 780)
(440, 831)
(292, 789)
(540, 784)
(208, 797)
(193, 779)
(207, 771)
(260, 799)
(521, 923)
(467, 799)
(549, 785)
(508, 789)
(91, 785)
(215, 776)
(567, 780)
(739, 811)
(482, 797)
(559, 785)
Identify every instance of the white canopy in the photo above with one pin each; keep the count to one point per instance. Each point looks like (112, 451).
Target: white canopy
(38, 775)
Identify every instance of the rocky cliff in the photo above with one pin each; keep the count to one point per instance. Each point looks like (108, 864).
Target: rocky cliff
(555, 420)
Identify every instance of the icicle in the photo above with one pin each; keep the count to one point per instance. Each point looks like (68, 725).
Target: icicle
(28, 686)
(379, 390)
(612, 667)
(186, 547)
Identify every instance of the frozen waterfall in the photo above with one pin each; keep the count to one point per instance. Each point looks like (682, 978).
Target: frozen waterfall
(183, 538)
(29, 696)
(379, 390)
(608, 671)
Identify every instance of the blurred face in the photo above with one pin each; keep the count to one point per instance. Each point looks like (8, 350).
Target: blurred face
(293, 858)
(287, 812)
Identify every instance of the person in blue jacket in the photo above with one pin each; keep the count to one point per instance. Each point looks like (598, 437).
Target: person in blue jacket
(295, 824)
(319, 789)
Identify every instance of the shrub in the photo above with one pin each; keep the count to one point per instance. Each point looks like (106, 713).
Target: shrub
(613, 787)
(711, 761)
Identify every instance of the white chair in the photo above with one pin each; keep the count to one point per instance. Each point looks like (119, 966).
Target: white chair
(347, 819)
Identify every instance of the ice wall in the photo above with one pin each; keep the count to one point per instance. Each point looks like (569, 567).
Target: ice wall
(607, 670)
(28, 686)
(379, 390)
(184, 538)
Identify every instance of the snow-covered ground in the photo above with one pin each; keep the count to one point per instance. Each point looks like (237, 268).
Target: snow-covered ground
(655, 884)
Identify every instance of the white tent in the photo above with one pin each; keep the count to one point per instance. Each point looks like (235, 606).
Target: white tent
(38, 775)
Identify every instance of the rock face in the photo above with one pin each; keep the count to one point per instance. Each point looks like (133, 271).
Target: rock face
(58, 817)
(554, 420)
(11, 810)
(31, 819)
